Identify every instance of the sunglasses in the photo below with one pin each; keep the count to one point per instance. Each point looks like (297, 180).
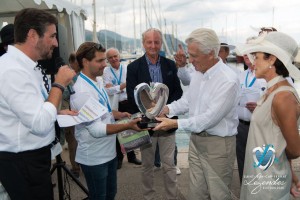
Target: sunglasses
(96, 46)
(267, 29)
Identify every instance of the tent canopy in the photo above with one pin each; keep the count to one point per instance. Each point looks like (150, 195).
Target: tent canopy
(10, 7)
(71, 30)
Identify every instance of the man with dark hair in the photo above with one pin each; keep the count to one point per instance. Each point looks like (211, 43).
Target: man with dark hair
(27, 132)
(7, 37)
(96, 150)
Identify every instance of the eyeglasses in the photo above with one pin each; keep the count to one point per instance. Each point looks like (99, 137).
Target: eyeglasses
(267, 30)
(96, 45)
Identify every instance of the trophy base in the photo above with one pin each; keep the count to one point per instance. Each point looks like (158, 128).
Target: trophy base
(147, 123)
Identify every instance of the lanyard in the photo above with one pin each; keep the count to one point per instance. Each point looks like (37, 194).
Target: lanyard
(246, 81)
(119, 80)
(102, 95)
(45, 95)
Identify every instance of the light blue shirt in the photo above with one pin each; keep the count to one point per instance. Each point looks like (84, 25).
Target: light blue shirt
(155, 70)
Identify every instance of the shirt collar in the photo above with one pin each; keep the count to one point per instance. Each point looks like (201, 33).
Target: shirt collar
(116, 69)
(250, 72)
(213, 70)
(149, 62)
(20, 55)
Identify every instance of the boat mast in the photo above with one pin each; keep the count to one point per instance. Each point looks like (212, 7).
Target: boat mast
(134, 31)
(95, 39)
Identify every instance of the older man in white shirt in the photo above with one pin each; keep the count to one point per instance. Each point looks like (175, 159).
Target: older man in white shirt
(114, 78)
(211, 102)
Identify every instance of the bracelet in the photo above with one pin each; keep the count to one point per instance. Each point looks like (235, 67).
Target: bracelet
(62, 88)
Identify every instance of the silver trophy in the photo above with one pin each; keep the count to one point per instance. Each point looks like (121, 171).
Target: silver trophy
(150, 100)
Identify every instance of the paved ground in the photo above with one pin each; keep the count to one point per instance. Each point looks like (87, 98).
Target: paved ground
(129, 184)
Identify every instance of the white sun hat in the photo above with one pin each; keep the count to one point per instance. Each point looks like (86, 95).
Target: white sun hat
(231, 47)
(278, 44)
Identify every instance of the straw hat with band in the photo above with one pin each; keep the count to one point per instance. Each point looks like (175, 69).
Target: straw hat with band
(278, 44)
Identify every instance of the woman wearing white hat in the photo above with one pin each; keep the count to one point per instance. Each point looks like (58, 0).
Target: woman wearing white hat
(273, 136)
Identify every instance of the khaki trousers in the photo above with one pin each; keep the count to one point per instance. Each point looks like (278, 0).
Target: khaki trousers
(211, 160)
(166, 142)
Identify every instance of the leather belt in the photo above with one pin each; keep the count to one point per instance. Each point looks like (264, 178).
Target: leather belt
(244, 122)
(123, 102)
(202, 134)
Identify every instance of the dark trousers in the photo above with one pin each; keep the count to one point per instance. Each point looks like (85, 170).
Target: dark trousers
(101, 180)
(123, 107)
(241, 143)
(26, 175)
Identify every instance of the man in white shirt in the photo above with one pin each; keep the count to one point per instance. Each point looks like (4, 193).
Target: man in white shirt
(114, 78)
(27, 111)
(185, 70)
(251, 90)
(211, 102)
(96, 150)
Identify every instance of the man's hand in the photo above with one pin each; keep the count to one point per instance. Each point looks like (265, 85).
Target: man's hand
(64, 75)
(122, 86)
(120, 115)
(251, 106)
(68, 112)
(133, 125)
(165, 124)
(180, 57)
(164, 111)
(108, 85)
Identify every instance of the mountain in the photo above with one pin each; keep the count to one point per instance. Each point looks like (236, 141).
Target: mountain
(125, 43)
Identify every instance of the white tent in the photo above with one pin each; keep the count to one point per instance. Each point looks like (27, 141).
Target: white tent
(70, 17)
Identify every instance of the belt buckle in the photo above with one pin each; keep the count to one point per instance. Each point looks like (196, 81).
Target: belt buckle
(202, 134)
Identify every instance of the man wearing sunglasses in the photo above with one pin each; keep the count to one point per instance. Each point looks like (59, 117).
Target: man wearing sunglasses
(96, 150)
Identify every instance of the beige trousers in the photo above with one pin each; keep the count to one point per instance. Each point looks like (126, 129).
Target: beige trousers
(211, 161)
(166, 142)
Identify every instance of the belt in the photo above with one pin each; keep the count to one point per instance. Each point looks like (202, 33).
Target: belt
(56, 140)
(123, 102)
(202, 134)
(244, 122)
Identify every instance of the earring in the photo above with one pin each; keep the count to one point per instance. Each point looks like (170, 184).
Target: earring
(270, 67)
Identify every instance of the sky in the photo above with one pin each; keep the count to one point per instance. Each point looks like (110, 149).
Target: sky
(233, 20)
